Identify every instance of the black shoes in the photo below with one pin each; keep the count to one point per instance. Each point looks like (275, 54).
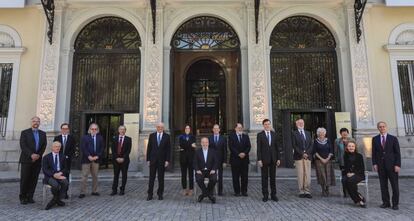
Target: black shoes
(23, 201)
(200, 198)
(302, 195)
(274, 198)
(30, 200)
(50, 204)
(122, 192)
(237, 194)
(244, 194)
(149, 197)
(160, 197)
(95, 194)
(385, 205)
(60, 203)
(308, 196)
(395, 207)
(113, 193)
(265, 199)
(81, 196)
(212, 199)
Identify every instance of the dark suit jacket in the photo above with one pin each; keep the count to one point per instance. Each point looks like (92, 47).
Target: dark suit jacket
(220, 148)
(69, 148)
(28, 145)
(199, 162)
(159, 154)
(48, 166)
(354, 164)
(86, 147)
(267, 154)
(186, 150)
(237, 147)
(297, 144)
(125, 150)
(390, 156)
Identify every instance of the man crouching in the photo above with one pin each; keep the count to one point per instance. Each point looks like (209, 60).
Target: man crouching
(54, 167)
(205, 165)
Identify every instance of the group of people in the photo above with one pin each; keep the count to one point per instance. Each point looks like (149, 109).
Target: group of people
(208, 161)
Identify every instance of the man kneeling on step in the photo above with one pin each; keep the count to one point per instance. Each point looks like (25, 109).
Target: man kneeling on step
(205, 165)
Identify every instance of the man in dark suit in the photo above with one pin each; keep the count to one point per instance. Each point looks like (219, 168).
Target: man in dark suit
(386, 160)
(32, 144)
(92, 147)
(302, 144)
(219, 144)
(158, 158)
(205, 164)
(54, 170)
(268, 158)
(239, 145)
(121, 148)
(68, 147)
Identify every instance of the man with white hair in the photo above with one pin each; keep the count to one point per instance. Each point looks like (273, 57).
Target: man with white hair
(206, 163)
(32, 144)
(54, 170)
(158, 158)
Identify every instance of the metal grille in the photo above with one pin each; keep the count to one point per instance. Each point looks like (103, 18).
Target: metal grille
(205, 33)
(406, 78)
(106, 70)
(6, 72)
(304, 75)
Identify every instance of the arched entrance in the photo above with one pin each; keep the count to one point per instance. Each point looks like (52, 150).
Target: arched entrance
(304, 78)
(205, 96)
(105, 78)
(205, 56)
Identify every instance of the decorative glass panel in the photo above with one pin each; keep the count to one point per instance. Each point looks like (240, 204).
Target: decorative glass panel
(406, 79)
(205, 33)
(6, 72)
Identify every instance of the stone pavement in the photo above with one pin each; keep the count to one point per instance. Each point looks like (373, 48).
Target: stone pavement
(133, 205)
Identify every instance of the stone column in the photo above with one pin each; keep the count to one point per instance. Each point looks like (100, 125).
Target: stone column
(49, 73)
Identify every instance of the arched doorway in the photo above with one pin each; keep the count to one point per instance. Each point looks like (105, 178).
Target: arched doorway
(304, 78)
(105, 78)
(206, 96)
(205, 50)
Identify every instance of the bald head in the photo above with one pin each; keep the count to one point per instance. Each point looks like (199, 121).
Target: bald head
(204, 143)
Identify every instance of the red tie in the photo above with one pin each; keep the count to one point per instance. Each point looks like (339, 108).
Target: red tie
(119, 146)
(383, 141)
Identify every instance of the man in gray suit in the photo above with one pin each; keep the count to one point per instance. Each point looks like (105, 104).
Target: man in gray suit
(302, 145)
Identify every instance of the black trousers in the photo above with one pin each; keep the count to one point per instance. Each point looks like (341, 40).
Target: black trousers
(386, 175)
(59, 187)
(154, 169)
(68, 162)
(186, 164)
(29, 174)
(351, 186)
(220, 178)
(269, 171)
(343, 174)
(240, 172)
(212, 180)
(118, 168)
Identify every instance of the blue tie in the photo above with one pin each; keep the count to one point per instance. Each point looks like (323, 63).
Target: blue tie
(36, 137)
(56, 163)
(158, 139)
(94, 144)
(215, 139)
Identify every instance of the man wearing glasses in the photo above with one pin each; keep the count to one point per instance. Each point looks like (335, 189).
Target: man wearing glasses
(91, 147)
(68, 147)
(32, 144)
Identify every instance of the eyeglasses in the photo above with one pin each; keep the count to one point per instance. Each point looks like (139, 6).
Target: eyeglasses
(94, 128)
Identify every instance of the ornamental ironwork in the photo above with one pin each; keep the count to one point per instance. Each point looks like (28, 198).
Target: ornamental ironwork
(205, 33)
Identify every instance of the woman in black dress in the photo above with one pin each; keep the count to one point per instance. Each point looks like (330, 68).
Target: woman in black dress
(187, 143)
(355, 173)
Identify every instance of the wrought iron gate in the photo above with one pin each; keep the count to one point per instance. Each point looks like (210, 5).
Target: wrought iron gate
(304, 73)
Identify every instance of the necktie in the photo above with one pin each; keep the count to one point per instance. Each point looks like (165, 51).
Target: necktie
(158, 139)
(56, 162)
(383, 141)
(239, 136)
(215, 139)
(120, 146)
(36, 137)
(303, 135)
(94, 144)
(64, 143)
(268, 137)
